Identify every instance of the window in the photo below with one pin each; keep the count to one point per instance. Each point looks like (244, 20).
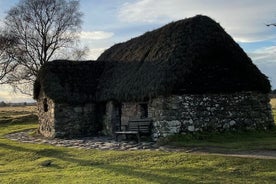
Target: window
(144, 110)
(45, 105)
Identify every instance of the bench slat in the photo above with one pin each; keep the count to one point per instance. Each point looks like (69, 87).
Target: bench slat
(140, 126)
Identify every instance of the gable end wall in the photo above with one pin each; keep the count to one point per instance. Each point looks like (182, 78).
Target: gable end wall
(46, 120)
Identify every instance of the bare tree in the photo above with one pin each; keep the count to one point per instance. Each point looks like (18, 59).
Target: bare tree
(42, 29)
(7, 65)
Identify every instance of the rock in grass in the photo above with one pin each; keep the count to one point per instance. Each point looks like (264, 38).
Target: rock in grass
(46, 163)
(96, 163)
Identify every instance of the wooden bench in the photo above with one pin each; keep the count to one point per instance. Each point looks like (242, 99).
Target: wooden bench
(136, 127)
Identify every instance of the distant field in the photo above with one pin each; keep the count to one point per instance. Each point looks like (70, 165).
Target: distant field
(273, 103)
(18, 114)
(18, 110)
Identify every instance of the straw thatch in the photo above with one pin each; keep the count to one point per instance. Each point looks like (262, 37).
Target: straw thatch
(69, 81)
(190, 56)
(193, 55)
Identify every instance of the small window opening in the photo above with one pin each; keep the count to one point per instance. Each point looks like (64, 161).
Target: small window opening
(45, 105)
(144, 110)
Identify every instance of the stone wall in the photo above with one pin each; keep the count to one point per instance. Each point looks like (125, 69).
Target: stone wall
(170, 115)
(76, 121)
(66, 120)
(46, 116)
(210, 113)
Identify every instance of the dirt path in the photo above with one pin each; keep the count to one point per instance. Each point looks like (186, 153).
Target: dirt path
(261, 154)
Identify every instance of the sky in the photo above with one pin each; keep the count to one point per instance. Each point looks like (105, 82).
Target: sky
(107, 22)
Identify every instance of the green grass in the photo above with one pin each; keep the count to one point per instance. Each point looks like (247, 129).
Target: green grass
(25, 163)
(228, 141)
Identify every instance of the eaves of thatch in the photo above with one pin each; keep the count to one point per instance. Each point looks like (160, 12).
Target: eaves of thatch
(69, 81)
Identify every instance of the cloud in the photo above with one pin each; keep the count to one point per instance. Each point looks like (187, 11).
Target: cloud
(265, 59)
(244, 20)
(95, 35)
(95, 53)
(264, 55)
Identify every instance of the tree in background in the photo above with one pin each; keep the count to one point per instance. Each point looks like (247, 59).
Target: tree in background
(6, 54)
(42, 30)
(3, 104)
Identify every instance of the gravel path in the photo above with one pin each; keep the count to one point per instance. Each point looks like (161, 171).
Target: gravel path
(107, 143)
(100, 143)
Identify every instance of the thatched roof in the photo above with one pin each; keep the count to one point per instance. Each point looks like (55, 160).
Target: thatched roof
(69, 81)
(193, 55)
(190, 56)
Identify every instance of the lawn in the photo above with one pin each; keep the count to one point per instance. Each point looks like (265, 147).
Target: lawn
(273, 103)
(27, 163)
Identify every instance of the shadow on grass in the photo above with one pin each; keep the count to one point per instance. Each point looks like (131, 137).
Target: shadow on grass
(188, 171)
(121, 169)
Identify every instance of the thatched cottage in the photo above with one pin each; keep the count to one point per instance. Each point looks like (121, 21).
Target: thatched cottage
(188, 76)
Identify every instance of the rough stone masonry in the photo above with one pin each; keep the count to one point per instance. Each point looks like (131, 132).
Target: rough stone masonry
(209, 113)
